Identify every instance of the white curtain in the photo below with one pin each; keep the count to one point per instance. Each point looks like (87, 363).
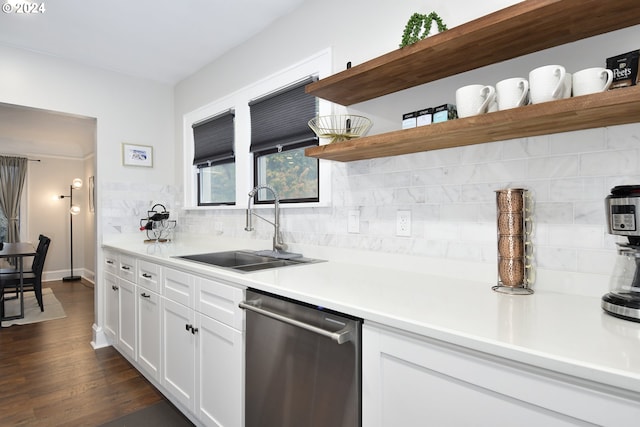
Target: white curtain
(13, 171)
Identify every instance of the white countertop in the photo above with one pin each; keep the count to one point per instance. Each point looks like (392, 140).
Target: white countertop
(565, 333)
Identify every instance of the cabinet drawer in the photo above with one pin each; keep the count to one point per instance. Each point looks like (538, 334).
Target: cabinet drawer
(178, 286)
(149, 275)
(111, 262)
(220, 302)
(127, 269)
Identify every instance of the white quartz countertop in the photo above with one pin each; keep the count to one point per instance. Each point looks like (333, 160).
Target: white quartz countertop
(565, 333)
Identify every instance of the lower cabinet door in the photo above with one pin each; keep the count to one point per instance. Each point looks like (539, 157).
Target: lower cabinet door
(179, 337)
(112, 304)
(127, 318)
(219, 363)
(149, 318)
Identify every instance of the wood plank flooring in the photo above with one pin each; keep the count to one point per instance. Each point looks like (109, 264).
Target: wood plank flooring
(51, 376)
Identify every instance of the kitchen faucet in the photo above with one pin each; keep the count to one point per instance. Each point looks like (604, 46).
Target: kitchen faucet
(278, 244)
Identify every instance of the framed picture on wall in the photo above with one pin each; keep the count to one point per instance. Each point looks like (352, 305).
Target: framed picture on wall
(137, 155)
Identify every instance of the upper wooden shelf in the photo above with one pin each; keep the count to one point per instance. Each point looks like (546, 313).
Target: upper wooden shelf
(518, 30)
(615, 107)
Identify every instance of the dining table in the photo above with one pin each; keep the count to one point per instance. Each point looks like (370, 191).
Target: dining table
(18, 251)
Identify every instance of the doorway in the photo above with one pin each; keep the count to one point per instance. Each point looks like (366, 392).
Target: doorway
(61, 147)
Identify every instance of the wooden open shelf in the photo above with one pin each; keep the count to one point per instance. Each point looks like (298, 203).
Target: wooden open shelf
(523, 28)
(615, 107)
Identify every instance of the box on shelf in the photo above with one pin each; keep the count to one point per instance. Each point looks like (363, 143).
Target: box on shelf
(409, 120)
(424, 117)
(444, 112)
(625, 69)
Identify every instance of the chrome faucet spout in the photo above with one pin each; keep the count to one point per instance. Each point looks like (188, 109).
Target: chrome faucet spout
(278, 244)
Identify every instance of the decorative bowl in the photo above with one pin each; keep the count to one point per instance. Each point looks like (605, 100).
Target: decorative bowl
(340, 127)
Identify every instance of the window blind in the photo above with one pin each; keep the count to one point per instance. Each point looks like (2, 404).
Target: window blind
(214, 140)
(280, 118)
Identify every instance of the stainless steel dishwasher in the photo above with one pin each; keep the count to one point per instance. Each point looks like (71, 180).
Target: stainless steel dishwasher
(302, 365)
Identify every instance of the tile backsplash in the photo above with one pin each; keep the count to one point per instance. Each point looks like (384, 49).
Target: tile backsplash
(450, 194)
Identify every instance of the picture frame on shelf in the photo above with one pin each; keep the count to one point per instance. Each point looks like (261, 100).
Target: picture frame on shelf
(137, 155)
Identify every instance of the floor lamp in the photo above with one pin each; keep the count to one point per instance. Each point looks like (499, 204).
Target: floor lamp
(73, 210)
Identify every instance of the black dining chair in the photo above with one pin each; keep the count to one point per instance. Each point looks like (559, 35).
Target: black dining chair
(32, 279)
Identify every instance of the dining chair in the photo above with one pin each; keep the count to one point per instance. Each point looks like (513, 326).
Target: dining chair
(32, 279)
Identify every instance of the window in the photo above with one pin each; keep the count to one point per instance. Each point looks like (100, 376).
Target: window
(279, 135)
(215, 159)
(208, 184)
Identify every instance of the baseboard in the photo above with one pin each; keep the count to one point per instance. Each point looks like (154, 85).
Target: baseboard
(50, 276)
(100, 340)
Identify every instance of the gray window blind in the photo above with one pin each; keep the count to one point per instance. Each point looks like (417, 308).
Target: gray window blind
(280, 118)
(214, 140)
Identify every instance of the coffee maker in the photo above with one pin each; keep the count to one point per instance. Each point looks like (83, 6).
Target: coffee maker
(622, 212)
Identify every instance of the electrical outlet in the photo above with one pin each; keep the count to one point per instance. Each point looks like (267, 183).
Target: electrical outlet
(218, 228)
(403, 223)
(353, 221)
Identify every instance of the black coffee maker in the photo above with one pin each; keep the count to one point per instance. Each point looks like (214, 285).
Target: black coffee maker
(622, 208)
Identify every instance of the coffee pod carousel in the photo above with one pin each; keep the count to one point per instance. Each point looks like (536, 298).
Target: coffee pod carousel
(157, 225)
(515, 257)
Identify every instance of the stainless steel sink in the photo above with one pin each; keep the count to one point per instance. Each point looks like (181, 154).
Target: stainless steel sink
(247, 261)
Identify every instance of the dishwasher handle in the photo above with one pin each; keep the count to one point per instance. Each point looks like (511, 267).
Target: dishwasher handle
(342, 336)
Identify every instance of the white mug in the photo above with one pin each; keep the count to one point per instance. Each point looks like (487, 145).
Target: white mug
(512, 93)
(568, 86)
(547, 83)
(474, 99)
(591, 80)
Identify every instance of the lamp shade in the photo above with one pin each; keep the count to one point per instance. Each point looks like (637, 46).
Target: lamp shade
(74, 210)
(77, 183)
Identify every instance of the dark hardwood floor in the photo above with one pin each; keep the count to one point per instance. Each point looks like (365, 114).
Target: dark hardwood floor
(51, 376)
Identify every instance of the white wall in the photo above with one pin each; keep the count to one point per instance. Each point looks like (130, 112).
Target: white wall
(127, 109)
(47, 214)
(449, 192)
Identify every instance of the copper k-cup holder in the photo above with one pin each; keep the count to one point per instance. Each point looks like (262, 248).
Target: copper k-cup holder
(515, 250)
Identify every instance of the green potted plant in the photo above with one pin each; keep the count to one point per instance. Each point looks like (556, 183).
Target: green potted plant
(419, 26)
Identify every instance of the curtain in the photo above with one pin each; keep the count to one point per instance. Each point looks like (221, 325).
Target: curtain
(214, 140)
(13, 171)
(280, 118)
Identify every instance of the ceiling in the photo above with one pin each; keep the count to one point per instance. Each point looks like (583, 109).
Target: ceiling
(165, 41)
(32, 132)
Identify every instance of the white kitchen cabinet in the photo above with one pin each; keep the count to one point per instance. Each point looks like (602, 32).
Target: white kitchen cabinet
(203, 359)
(149, 276)
(149, 328)
(127, 268)
(179, 350)
(127, 318)
(112, 306)
(416, 381)
(219, 357)
(183, 332)
(111, 264)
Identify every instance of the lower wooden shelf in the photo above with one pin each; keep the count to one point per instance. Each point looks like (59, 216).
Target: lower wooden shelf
(615, 107)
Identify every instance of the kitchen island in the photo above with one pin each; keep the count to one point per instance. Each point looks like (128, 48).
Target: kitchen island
(556, 355)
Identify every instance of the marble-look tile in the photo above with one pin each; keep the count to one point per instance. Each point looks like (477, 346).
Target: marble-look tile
(525, 148)
(451, 195)
(577, 142)
(553, 167)
(621, 162)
